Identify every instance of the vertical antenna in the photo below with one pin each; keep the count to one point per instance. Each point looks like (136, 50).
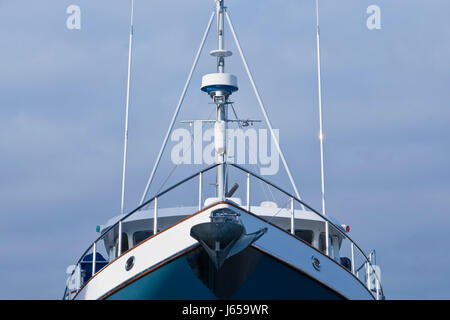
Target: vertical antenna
(126, 109)
(319, 81)
(320, 107)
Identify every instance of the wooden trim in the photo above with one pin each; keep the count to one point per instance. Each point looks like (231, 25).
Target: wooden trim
(152, 236)
(297, 238)
(149, 270)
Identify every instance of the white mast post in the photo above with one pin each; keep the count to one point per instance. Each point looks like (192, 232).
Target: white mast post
(321, 125)
(126, 110)
(221, 108)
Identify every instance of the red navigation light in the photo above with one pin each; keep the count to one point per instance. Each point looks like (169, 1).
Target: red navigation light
(347, 228)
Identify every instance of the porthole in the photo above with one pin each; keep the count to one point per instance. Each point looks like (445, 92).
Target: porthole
(316, 263)
(129, 264)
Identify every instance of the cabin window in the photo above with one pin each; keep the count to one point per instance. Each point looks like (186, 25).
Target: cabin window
(322, 244)
(124, 246)
(140, 236)
(305, 235)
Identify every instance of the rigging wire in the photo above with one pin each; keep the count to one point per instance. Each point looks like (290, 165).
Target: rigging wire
(261, 105)
(177, 110)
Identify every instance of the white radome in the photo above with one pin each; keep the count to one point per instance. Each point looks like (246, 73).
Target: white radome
(212, 80)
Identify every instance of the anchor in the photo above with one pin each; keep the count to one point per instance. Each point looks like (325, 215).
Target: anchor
(224, 237)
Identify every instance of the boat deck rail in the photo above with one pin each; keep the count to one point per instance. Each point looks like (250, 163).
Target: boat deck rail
(367, 273)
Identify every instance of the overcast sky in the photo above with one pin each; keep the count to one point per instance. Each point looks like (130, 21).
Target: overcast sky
(386, 120)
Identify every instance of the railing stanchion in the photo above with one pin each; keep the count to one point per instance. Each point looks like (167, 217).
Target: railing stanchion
(292, 217)
(155, 217)
(368, 275)
(353, 257)
(94, 253)
(248, 192)
(200, 178)
(119, 240)
(377, 288)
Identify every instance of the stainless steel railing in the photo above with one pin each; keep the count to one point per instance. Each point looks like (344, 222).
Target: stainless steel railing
(370, 277)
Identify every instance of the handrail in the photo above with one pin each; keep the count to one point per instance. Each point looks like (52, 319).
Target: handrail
(249, 173)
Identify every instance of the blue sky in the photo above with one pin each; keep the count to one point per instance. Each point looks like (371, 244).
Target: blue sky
(62, 104)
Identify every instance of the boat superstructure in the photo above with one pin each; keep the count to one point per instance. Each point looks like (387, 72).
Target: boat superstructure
(201, 239)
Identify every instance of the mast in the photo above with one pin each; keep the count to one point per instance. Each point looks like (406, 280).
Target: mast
(220, 86)
(221, 115)
(126, 110)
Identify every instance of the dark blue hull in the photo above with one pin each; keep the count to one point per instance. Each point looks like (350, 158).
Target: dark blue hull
(249, 275)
